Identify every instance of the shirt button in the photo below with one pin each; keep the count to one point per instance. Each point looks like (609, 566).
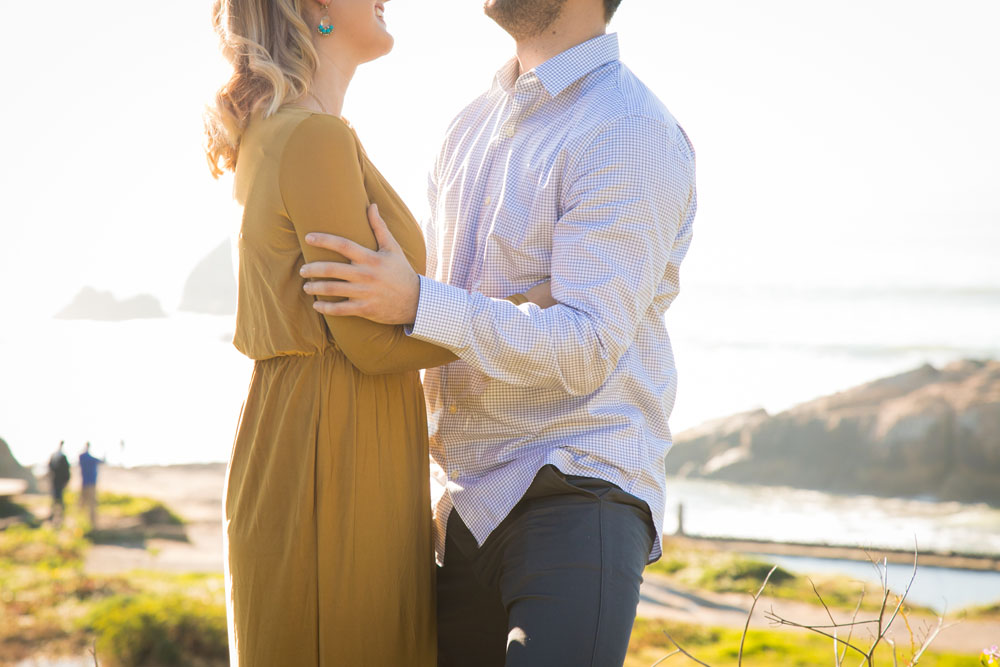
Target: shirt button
(452, 408)
(454, 475)
(489, 200)
(509, 132)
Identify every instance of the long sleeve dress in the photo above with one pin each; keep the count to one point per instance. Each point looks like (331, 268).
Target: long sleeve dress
(327, 501)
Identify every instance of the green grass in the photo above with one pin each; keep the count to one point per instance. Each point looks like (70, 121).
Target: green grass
(719, 647)
(158, 629)
(43, 588)
(42, 547)
(50, 605)
(983, 611)
(727, 572)
(47, 601)
(120, 506)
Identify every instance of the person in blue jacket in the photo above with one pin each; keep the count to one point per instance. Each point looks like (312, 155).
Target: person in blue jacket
(88, 490)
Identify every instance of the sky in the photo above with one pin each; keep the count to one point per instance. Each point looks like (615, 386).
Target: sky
(850, 143)
(849, 146)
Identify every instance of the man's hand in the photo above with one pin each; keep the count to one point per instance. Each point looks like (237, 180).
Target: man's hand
(541, 295)
(380, 286)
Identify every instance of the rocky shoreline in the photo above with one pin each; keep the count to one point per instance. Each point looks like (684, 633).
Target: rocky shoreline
(954, 560)
(928, 433)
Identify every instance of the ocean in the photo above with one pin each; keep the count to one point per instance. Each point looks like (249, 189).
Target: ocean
(167, 391)
(171, 388)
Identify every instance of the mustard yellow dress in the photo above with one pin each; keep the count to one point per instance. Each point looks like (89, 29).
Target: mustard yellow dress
(327, 501)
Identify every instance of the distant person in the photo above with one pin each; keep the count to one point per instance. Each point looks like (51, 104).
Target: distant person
(88, 490)
(59, 479)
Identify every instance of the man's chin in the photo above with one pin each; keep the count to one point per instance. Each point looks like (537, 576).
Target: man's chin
(524, 19)
(490, 8)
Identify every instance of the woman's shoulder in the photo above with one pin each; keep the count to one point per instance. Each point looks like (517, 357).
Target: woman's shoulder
(318, 136)
(322, 127)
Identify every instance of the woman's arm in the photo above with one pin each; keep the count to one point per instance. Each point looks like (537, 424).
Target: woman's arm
(322, 187)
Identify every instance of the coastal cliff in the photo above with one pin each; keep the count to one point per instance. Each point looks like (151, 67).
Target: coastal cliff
(10, 468)
(91, 304)
(926, 433)
(211, 286)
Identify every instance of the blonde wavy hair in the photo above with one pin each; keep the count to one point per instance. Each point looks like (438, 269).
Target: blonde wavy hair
(270, 47)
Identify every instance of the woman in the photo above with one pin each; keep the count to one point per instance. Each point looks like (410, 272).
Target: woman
(327, 502)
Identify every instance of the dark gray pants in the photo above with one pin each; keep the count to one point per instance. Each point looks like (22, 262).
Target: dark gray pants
(557, 583)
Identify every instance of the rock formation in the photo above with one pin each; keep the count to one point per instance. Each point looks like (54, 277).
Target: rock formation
(927, 433)
(10, 468)
(90, 304)
(211, 287)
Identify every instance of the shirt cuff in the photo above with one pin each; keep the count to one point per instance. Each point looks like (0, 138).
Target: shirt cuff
(442, 315)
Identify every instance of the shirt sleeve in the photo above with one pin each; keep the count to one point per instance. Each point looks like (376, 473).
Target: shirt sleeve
(627, 193)
(322, 187)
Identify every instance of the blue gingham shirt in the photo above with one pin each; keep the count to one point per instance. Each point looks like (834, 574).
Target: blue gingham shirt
(573, 172)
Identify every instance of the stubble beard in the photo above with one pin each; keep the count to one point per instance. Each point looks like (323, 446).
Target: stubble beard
(524, 19)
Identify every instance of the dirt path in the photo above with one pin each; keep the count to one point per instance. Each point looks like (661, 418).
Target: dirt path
(195, 493)
(662, 598)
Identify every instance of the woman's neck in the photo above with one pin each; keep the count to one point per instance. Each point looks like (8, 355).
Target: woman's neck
(329, 86)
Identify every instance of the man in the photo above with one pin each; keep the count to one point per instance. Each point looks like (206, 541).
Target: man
(552, 427)
(88, 491)
(58, 480)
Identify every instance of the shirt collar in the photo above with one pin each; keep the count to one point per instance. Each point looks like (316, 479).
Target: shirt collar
(559, 72)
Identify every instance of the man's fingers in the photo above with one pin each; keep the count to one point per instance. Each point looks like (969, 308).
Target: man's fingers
(338, 309)
(334, 288)
(385, 239)
(335, 270)
(349, 249)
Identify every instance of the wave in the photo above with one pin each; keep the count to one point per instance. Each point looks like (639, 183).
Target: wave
(989, 293)
(861, 349)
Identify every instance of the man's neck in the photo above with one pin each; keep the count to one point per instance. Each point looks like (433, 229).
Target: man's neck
(568, 31)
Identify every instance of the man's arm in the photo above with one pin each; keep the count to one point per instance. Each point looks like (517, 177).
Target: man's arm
(628, 195)
(321, 171)
(628, 192)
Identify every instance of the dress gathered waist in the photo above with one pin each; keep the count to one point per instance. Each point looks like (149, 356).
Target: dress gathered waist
(330, 350)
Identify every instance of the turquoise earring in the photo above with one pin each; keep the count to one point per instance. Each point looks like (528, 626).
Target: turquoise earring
(325, 27)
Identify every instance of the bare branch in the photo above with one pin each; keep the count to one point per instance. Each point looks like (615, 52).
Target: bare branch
(834, 626)
(906, 591)
(771, 616)
(909, 631)
(746, 628)
(931, 636)
(664, 658)
(836, 655)
(854, 618)
(681, 649)
(882, 630)
(895, 658)
(885, 592)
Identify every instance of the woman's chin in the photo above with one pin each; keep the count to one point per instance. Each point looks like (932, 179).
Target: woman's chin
(384, 44)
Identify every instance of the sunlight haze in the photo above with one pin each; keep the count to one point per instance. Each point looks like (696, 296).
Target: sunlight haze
(841, 146)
